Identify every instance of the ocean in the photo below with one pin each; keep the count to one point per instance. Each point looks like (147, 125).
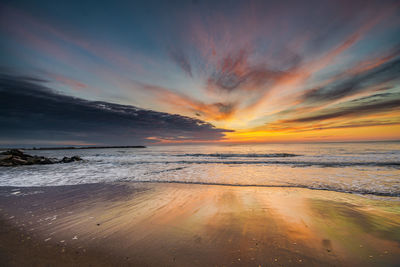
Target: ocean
(361, 168)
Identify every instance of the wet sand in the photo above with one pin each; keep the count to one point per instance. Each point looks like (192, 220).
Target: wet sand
(133, 224)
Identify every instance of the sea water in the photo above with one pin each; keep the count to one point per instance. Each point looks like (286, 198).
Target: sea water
(366, 167)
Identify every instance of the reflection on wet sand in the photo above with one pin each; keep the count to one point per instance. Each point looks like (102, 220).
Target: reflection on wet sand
(203, 225)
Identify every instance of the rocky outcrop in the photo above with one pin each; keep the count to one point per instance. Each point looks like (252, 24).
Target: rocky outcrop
(71, 159)
(15, 157)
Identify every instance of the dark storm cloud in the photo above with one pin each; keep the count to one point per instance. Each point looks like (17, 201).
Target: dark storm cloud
(30, 111)
(367, 105)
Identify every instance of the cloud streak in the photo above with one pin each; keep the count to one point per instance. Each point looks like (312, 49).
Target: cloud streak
(235, 72)
(370, 111)
(374, 107)
(180, 102)
(354, 83)
(180, 58)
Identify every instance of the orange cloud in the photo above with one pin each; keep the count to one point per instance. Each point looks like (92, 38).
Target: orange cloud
(187, 105)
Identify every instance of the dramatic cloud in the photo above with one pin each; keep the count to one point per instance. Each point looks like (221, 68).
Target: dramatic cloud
(243, 65)
(373, 110)
(368, 108)
(355, 83)
(30, 111)
(185, 104)
(355, 124)
(235, 72)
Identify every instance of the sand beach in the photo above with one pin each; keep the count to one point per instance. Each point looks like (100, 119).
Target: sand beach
(167, 224)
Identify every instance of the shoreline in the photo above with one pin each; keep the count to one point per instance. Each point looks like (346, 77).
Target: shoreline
(362, 193)
(383, 195)
(154, 224)
(73, 147)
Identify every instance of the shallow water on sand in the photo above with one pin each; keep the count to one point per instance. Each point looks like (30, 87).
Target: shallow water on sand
(372, 168)
(136, 224)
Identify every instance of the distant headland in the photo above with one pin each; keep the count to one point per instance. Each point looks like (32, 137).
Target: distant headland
(83, 147)
(75, 147)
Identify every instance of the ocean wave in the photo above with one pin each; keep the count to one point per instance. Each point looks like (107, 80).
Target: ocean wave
(319, 168)
(311, 187)
(167, 170)
(250, 155)
(293, 163)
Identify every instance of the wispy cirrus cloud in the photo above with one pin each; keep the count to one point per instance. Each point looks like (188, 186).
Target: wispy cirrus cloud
(74, 84)
(235, 72)
(180, 58)
(180, 102)
(254, 63)
(357, 80)
(374, 110)
(357, 110)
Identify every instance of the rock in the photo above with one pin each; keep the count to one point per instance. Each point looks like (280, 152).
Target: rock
(15, 157)
(13, 152)
(31, 161)
(18, 161)
(76, 158)
(71, 159)
(46, 161)
(5, 157)
(5, 164)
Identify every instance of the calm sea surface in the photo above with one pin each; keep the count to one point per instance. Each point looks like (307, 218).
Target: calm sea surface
(372, 168)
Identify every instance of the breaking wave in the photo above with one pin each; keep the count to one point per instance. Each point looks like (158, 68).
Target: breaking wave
(250, 155)
(263, 162)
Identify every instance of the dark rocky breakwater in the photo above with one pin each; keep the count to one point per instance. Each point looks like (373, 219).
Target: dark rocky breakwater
(15, 157)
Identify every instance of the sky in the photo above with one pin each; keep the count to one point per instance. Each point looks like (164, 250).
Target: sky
(139, 72)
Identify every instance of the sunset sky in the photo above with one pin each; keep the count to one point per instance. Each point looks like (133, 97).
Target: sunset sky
(129, 72)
